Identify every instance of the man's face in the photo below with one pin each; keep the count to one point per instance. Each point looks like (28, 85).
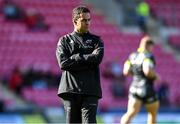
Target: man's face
(82, 23)
(150, 48)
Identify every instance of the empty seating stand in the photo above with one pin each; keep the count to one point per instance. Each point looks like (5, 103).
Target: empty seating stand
(175, 40)
(167, 11)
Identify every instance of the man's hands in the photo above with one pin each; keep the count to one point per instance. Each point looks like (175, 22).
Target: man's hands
(95, 51)
(76, 57)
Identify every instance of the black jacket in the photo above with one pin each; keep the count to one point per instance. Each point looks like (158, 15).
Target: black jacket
(79, 64)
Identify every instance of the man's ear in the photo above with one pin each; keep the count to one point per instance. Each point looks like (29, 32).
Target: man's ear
(75, 22)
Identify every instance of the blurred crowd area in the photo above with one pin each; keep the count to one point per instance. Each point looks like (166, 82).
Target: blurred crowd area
(36, 79)
(31, 17)
(29, 32)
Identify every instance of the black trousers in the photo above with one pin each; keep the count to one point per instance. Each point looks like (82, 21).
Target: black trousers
(80, 108)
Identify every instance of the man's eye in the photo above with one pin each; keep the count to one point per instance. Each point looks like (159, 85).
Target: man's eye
(86, 20)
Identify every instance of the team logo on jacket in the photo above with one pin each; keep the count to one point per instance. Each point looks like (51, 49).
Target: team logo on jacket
(88, 41)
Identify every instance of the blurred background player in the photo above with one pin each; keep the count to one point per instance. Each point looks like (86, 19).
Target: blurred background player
(141, 65)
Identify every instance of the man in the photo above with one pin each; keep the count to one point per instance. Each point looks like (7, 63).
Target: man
(79, 54)
(141, 65)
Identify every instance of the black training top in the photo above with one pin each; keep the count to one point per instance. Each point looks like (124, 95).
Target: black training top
(79, 64)
(136, 60)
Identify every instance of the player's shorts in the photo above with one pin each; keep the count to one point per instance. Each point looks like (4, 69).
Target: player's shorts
(144, 93)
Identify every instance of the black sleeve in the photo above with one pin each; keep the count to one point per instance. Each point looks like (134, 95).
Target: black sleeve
(95, 58)
(65, 60)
